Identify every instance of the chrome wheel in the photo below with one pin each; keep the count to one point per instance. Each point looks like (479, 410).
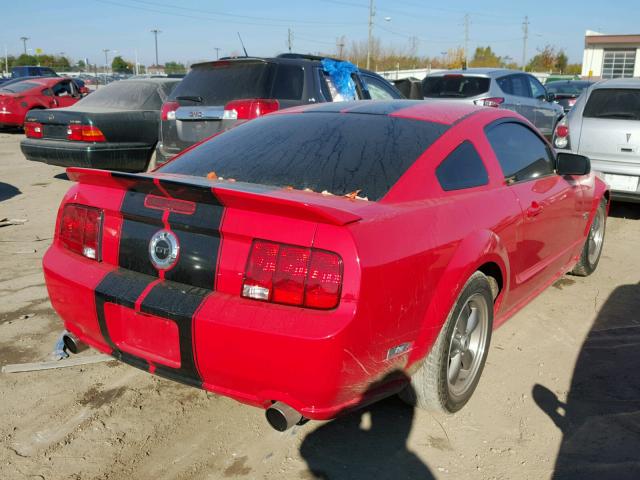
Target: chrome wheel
(468, 344)
(596, 237)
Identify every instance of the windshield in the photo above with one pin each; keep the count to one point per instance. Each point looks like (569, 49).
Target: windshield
(332, 152)
(220, 82)
(569, 88)
(19, 87)
(455, 86)
(615, 103)
(128, 95)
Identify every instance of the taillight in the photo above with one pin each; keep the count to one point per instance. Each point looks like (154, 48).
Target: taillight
(249, 108)
(494, 102)
(80, 228)
(85, 133)
(168, 111)
(33, 129)
(305, 277)
(561, 135)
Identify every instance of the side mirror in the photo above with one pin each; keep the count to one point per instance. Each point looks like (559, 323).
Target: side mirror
(572, 164)
(551, 97)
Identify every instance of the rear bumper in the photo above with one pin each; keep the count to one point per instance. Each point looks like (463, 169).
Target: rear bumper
(631, 169)
(129, 157)
(253, 352)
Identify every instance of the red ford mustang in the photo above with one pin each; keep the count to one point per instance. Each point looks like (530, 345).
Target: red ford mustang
(16, 99)
(296, 260)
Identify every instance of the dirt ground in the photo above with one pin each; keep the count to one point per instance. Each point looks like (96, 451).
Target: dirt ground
(560, 392)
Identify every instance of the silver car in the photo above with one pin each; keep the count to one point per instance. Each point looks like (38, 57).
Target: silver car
(501, 88)
(604, 125)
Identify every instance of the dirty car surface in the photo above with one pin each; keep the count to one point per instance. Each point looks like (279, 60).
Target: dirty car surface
(304, 256)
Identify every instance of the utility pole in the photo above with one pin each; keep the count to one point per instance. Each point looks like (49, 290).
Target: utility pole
(340, 45)
(289, 39)
(217, 49)
(6, 60)
(525, 31)
(466, 41)
(155, 32)
(24, 43)
(106, 60)
(372, 13)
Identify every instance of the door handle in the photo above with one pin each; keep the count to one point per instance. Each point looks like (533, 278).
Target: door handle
(534, 210)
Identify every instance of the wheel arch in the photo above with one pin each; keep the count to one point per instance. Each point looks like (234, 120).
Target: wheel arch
(481, 251)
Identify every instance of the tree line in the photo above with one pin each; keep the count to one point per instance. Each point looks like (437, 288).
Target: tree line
(549, 59)
(63, 64)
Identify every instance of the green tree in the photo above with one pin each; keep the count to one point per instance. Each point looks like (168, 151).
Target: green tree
(120, 65)
(561, 62)
(24, 60)
(485, 57)
(81, 65)
(573, 69)
(174, 67)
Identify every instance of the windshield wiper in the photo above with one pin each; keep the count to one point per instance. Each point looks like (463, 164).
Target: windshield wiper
(190, 98)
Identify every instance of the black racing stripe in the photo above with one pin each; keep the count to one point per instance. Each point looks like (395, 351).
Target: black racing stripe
(122, 288)
(178, 303)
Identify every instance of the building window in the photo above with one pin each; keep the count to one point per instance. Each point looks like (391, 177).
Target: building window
(618, 63)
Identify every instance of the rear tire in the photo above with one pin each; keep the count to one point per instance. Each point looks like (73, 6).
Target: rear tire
(592, 250)
(451, 372)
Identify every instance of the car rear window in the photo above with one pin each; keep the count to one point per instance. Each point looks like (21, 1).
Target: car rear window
(333, 152)
(614, 103)
(126, 95)
(19, 87)
(569, 88)
(454, 86)
(220, 82)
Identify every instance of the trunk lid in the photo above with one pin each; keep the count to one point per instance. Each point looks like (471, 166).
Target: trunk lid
(56, 121)
(611, 126)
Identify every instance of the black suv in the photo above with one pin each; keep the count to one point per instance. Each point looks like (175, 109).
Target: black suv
(216, 95)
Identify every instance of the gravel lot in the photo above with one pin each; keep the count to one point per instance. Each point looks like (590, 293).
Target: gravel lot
(560, 392)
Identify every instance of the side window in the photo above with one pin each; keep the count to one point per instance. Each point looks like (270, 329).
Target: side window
(521, 153)
(505, 84)
(520, 86)
(62, 89)
(289, 83)
(323, 80)
(537, 90)
(463, 168)
(47, 92)
(377, 88)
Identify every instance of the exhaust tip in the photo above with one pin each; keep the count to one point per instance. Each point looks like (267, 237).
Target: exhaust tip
(282, 417)
(72, 343)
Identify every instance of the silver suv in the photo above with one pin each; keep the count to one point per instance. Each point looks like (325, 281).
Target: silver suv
(500, 88)
(604, 125)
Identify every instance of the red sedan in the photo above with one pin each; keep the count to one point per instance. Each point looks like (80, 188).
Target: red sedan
(296, 260)
(17, 98)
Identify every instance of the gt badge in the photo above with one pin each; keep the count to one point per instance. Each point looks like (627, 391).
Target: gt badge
(163, 249)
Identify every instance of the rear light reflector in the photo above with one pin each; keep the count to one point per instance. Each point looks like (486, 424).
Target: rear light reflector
(84, 133)
(494, 102)
(80, 229)
(249, 108)
(291, 275)
(168, 111)
(174, 205)
(33, 129)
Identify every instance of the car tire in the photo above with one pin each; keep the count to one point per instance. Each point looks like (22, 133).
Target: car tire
(431, 386)
(592, 249)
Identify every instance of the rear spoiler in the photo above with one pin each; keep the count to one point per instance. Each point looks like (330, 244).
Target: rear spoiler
(310, 206)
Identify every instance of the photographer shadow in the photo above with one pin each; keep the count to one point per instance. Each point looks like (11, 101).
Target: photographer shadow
(600, 421)
(367, 443)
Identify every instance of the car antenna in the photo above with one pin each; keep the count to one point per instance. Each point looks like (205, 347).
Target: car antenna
(242, 43)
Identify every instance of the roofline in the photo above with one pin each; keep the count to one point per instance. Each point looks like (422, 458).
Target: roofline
(608, 39)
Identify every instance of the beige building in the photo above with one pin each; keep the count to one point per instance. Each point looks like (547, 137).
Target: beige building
(611, 56)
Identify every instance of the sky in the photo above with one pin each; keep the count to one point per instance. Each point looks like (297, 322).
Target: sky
(191, 30)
